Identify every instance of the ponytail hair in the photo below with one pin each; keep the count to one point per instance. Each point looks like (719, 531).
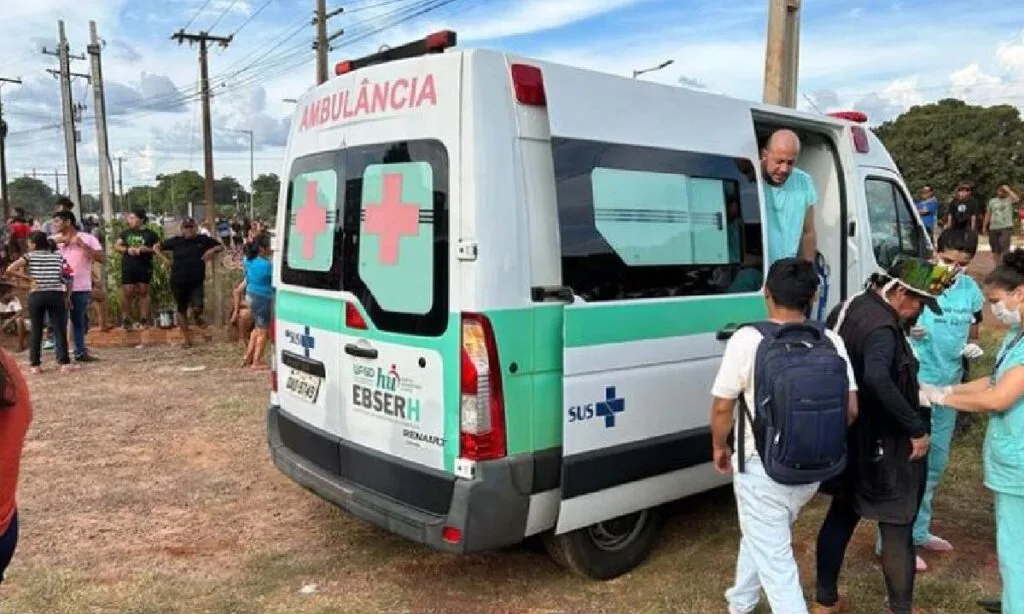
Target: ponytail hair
(1009, 275)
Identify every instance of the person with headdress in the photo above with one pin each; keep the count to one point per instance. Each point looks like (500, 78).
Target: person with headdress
(888, 446)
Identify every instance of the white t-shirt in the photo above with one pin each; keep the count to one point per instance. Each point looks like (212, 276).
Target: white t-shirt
(736, 374)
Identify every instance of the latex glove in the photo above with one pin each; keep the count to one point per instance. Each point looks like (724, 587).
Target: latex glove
(972, 351)
(922, 399)
(918, 332)
(934, 394)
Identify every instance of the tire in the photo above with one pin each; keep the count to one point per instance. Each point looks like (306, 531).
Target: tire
(607, 549)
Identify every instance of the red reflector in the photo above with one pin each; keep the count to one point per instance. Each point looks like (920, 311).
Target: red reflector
(439, 41)
(528, 82)
(852, 116)
(451, 535)
(342, 68)
(273, 354)
(860, 139)
(354, 319)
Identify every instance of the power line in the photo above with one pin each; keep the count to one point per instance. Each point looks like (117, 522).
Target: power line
(222, 14)
(197, 13)
(251, 17)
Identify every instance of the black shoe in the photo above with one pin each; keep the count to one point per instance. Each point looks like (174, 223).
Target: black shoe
(86, 358)
(991, 605)
(126, 324)
(200, 322)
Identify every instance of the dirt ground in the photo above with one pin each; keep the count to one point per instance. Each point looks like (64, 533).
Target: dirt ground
(148, 489)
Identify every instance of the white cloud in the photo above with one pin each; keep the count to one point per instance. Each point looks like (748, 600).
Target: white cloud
(529, 16)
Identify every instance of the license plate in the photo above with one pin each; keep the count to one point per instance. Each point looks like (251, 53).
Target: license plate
(303, 385)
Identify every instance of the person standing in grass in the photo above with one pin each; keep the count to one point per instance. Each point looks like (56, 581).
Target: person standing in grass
(258, 286)
(80, 250)
(998, 222)
(136, 248)
(47, 270)
(767, 509)
(15, 418)
(1001, 395)
(941, 342)
(191, 252)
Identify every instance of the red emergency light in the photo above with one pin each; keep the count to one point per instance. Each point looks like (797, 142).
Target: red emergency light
(434, 43)
(852, 116)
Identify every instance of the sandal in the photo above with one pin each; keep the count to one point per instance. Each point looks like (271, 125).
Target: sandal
(36, 370)
(70, 368)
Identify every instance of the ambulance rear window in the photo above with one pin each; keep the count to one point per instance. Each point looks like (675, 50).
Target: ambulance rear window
(373, 220)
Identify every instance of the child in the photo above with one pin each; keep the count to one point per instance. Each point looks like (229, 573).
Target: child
(12, 319)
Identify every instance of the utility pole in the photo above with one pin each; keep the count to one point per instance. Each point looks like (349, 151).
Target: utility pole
(203, 38)
(322, 44)
(99, 103)
(64, 57)
(782, 55)
(3, 152)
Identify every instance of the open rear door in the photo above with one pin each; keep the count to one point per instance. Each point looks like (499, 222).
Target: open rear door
(659, 221)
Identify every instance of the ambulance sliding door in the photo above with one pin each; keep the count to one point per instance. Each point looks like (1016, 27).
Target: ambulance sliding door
(661, 244)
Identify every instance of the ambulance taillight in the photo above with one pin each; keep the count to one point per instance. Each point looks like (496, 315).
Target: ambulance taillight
(528, 83)
(860, 136)
(481, 402)
(354, 319)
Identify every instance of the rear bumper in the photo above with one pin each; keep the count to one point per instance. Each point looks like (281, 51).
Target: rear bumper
(490, 510)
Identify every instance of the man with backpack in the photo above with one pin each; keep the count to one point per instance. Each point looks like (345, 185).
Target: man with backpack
(796, 392)
(885, 475)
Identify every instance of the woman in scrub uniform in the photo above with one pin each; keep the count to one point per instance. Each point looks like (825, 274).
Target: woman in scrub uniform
(1002, 396)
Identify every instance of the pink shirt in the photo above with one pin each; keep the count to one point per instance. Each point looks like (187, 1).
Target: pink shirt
(80, 263)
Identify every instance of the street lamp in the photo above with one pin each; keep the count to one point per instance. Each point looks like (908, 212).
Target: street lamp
(251, 208)
(665, 64)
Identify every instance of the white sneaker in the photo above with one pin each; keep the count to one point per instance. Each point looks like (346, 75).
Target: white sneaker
(920, 565)
(937, 544)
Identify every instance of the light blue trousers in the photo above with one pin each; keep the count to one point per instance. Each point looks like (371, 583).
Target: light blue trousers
(1010, 546)
(943, 425)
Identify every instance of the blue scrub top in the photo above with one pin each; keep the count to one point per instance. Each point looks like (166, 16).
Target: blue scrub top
(785, 207)
(939, 350)
(1004, 438)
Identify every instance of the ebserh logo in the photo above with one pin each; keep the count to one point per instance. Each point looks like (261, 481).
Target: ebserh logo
(610, 406)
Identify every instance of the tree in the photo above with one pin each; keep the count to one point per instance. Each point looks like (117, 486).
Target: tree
(227, 191)
(32, 195)
(265, 190)
(141, 197)
(950, 141)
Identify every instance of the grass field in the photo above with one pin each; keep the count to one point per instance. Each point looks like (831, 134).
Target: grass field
(147, 489)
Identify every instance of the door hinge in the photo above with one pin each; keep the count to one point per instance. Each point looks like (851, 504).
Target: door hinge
(466, 250)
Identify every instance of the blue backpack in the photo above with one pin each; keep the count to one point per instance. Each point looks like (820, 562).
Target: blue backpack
(801, 398)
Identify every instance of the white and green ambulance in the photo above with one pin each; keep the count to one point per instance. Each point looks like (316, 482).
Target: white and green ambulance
(504, 287)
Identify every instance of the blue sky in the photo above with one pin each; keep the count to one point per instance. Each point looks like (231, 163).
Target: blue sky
(880, 56)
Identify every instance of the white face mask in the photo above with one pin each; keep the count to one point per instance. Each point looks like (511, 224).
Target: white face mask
(1009, 317)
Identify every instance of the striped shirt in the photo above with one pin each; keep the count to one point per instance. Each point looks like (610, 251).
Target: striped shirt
(46, 269)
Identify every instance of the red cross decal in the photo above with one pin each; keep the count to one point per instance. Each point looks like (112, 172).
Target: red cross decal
(391, 219)
(311, 221)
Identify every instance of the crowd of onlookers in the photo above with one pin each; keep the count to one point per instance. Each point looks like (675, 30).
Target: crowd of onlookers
(996, 218)
(55, 266)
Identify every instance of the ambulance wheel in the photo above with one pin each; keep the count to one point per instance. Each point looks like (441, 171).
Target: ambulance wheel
(607, 549)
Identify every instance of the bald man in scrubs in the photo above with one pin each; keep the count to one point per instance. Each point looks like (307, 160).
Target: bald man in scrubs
(789, 200)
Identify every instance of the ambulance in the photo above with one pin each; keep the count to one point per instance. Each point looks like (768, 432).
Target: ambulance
(505, 285)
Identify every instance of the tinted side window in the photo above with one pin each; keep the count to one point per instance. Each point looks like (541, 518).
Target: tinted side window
(641, 222)
(893, 228)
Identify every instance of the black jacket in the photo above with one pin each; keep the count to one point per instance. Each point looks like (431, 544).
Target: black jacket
(886, 485)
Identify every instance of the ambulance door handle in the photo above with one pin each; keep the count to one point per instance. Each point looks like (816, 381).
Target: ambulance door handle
(360, 352)
(852, 231)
